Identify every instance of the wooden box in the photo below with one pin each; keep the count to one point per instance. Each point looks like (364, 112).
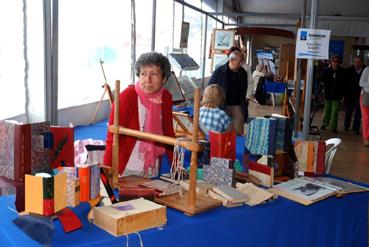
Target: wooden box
(130, 216)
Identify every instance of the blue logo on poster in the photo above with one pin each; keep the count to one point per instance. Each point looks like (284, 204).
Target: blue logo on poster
(303, 35)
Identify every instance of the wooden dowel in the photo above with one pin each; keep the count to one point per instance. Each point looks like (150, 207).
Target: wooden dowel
(115, 161)
(190, 145)
(193, 164)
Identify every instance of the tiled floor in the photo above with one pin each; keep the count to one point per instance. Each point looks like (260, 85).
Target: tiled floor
(352, 157)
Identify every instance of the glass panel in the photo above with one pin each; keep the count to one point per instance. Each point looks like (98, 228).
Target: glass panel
(11, 59)
(195, 39)
(164, 26)
(143, 26)
(102, 32)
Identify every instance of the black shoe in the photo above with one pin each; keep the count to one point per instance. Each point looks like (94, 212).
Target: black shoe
(346, 129)
(357, 132)
(335, 131)
(322, 127)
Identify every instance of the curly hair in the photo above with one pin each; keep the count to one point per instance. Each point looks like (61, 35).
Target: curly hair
(213, 96)
(153, 58)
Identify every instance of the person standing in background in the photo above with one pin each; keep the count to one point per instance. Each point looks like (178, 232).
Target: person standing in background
(333, 79)
(232, 78)
(364, 104)
(259, 72)
(352, 91)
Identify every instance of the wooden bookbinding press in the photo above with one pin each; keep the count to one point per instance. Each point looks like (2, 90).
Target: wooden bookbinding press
(189, 202)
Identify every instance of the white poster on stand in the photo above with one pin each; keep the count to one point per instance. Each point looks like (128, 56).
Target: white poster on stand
(312, 43)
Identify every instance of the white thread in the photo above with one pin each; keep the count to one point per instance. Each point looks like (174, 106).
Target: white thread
(176, 169)
(139, 237)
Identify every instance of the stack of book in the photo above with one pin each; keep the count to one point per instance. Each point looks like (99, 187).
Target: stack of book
(162, 187)
(254, 194)
(202, 187)
(229, 196)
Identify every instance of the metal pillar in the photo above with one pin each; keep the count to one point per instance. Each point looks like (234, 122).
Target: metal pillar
(309, 81)
(298, 75)
(153, 25)
(204, 52)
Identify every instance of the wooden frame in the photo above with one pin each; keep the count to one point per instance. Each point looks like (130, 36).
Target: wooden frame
(189, 203)
(223, 39)
(183, 125)
(173, 86)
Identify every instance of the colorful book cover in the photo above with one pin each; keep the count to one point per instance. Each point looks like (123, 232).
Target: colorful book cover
(223, 145)
(261, 136)
(218, 175)
(62, 153)
(95, 181)
(48, 196)
(84, 175)
(40, 155)
(45, 195)
(263, 172)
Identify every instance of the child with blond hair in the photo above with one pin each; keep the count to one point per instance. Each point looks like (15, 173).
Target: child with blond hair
(211, 116)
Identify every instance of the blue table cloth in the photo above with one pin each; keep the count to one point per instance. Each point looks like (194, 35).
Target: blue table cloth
(331, 222)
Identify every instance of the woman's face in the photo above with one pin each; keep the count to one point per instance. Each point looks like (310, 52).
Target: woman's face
(151, 79)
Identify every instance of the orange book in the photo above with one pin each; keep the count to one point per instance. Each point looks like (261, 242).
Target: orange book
(84, 183)
(310, 157)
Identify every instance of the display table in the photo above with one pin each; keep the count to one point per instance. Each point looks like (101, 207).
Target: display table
(331, 222)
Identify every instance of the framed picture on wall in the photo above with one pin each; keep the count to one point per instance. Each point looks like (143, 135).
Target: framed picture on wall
(218, 60)
(223, 39)
(185, 29)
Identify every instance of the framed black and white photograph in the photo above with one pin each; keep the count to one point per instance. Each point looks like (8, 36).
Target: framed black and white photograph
(185, 30)
(223, 39)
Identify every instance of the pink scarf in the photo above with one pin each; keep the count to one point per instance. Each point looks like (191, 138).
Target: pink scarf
(152, 102)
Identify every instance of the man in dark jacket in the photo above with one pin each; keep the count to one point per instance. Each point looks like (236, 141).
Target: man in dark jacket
(352, 91)
(333, 78)
(232, 78)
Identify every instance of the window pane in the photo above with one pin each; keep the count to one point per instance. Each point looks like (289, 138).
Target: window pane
(35, 50)
(211, 25)
(102, 32)
(195, 39)
(11, 59)
(164, 26)
(143, 26)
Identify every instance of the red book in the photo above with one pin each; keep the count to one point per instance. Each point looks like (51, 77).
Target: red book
(263, 172)
(69, 220)
(62, 153)
(320, 163)
(223, 145)
(84, 183)
(48, 207)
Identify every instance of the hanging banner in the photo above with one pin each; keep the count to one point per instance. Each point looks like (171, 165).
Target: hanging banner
(312, 43)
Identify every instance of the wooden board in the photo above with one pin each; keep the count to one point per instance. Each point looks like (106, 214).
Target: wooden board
(132, 181)
(203, 203)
